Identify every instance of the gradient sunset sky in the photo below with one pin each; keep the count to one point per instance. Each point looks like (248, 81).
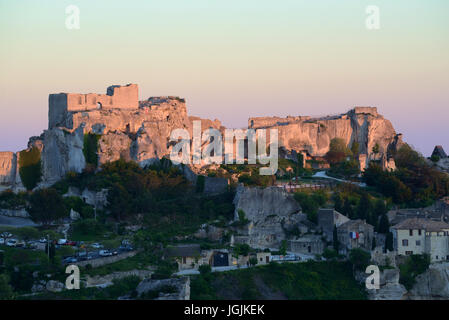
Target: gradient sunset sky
(232, 59)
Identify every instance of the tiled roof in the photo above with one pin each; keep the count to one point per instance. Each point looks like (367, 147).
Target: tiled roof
(191, 250)
(426, 224)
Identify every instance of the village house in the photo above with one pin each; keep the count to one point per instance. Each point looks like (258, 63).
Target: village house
(327, 219)
(263, 257)
(310, 244)
(422, 236)
(187, 256)
(355, 234)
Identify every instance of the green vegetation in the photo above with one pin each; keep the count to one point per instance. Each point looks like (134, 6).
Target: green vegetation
(359, 259)
(342, 160)
(46, 205)
(296, 281)
(413, 184)
(411, 268)
(120, 287)
(90, 148)
(30, 167)
(310, 202)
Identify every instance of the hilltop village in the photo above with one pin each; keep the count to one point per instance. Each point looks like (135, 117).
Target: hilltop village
(97, 189)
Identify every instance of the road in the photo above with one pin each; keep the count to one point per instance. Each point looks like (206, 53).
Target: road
(16, 222)
(322, 174)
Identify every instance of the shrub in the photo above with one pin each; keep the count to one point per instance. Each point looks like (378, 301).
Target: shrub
(90, 148)
(30, 167)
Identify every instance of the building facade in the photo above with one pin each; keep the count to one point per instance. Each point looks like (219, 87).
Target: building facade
(422, 236)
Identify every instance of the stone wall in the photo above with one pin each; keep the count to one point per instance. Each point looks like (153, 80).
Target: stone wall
(106, 260)
(119, 97)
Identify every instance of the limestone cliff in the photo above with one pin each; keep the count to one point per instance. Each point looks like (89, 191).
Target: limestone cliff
(140, 131)
(361, 124)
(269, 211)
(432, 284)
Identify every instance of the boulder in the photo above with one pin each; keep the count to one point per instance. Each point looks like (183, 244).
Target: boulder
(54, 286)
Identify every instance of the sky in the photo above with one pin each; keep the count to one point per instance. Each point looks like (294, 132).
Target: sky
(232, 59)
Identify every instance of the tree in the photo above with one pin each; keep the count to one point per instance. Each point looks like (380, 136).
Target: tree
(359, 258)
(338, 202)
(46, 205)
(338, 151)
(6, 292)
(376, 148)
(283, 248)
(347, 209)
(300, 167)
(253, 261)
(355, 148)
(389, 242)
(364, 207)
(384, 224)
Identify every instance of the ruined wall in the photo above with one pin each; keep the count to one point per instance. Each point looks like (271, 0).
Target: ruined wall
(117, 97)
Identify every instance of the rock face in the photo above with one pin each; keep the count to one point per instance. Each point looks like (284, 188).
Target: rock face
(361, 124)
(269, 211)
(179, 288)
(8, 167)
(432, 284)
(390, 288)
(140, 131)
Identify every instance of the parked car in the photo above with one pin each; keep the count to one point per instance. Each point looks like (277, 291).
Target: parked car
(126, 248)
(62, 241)
(105, 253)
(42, 240)
(11, 242)
(70, 260)
(6, 235)
(70, 243)
(97, 245)
(2, 241)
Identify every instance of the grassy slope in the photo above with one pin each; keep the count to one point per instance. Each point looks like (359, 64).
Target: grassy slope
(295, 281)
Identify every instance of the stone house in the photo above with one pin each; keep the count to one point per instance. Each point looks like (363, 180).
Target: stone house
(419, 236)
(355, 234)
(187, 256)
(327, 219)
(263, 257)
(310, 244)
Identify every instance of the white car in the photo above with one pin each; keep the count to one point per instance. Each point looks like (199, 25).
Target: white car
(2, 241)
(62, 241)
(105, 253)
(96, 246)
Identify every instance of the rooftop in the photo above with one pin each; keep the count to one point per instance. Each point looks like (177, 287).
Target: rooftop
(426, 224)
(189, 250)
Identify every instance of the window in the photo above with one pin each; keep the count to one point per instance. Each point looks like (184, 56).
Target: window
(419, 232)
(418, 242)
(436, 257)
(408, 252)
(405, 242)
(411, 232)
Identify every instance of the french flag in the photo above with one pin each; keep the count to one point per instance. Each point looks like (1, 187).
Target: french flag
(354, 235)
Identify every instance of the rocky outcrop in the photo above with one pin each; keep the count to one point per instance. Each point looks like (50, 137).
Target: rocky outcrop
(269, 212)
(389, 287)
(432, 284)
(140, 131)
(166, 289)
(363, 125)
(8, 167)
(62, 152)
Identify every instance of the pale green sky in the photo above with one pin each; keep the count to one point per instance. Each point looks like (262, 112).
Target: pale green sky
(232, 59)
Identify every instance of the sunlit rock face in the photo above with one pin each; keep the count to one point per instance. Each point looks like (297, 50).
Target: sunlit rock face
(140, 131)
(361, 124)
